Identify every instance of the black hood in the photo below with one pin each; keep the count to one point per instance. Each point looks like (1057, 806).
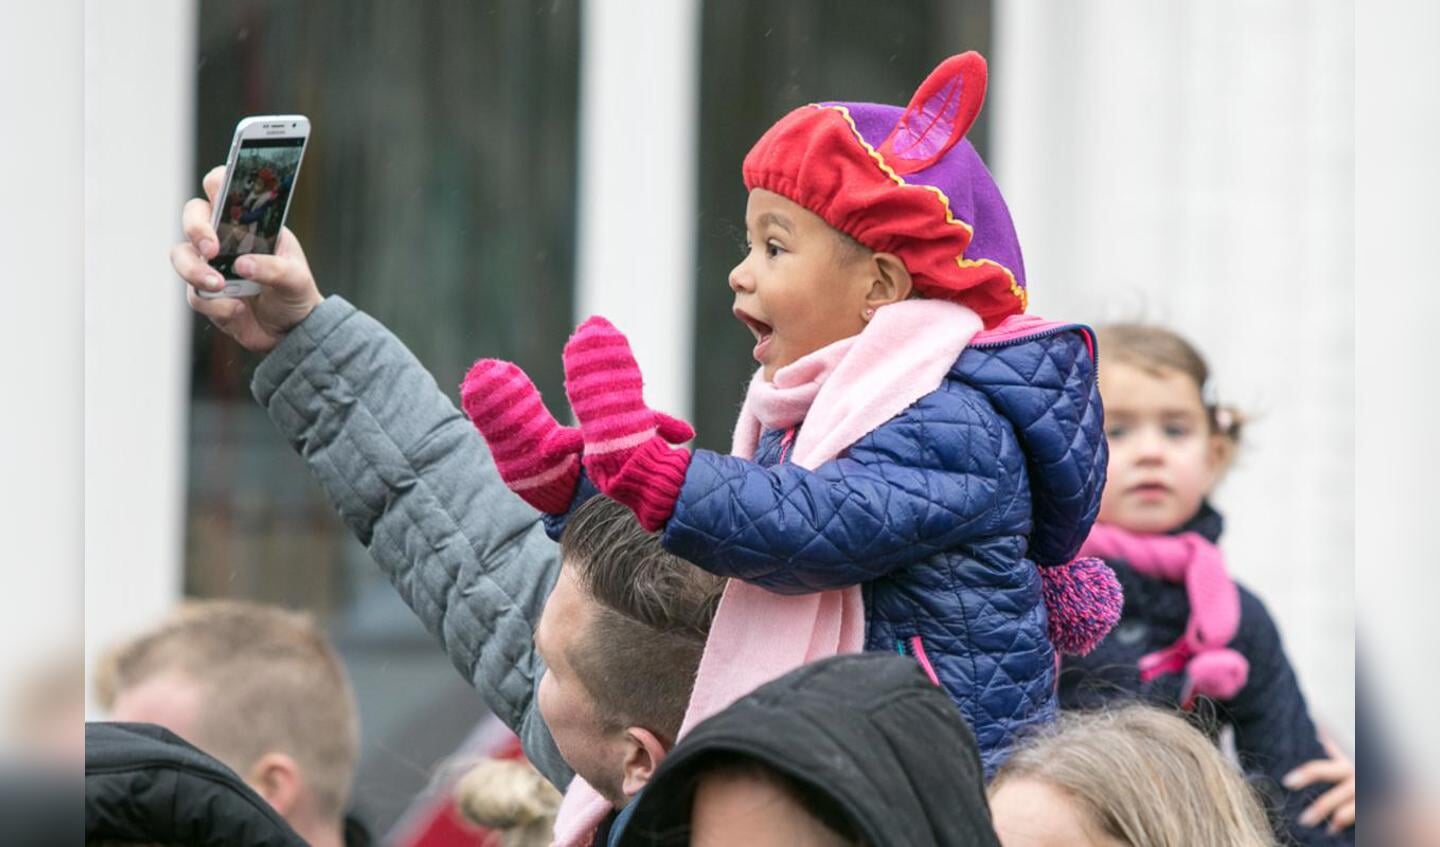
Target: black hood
(145, 784)
(869, 731)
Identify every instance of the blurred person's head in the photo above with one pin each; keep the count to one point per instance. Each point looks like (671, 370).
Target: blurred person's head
(1130, 777)
(258, 687)
(621, 635)
(511, 797)
(854, 207)
(1170, 443)
(850, 750)
(742, 799)
(45, 713)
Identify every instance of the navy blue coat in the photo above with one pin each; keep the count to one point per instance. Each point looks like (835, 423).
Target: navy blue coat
(940, 515)
(1273, 730)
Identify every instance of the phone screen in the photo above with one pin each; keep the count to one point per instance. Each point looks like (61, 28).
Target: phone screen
(253, 208)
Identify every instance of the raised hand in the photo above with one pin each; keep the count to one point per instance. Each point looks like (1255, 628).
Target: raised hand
(628, 450)
(537, 457)
(288, 291)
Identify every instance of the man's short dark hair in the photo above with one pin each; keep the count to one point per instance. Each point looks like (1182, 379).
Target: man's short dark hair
(653, 615)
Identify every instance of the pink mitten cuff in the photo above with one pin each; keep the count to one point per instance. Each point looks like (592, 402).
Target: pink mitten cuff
(648, 479)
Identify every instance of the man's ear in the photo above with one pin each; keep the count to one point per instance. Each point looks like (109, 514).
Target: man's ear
(891, 281)
(644, 752)
(276, 777)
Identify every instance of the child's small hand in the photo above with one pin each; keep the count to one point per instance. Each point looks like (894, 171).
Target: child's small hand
(537, 457)
(627, 444)
(1337, 804)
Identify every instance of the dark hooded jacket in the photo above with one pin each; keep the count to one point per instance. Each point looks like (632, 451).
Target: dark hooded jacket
(883, 746)
(145, 784)
(1271, 721)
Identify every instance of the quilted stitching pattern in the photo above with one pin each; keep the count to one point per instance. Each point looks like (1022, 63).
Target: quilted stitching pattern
(938, 514)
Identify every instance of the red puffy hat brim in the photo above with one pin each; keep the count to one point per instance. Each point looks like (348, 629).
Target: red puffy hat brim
(818, 157)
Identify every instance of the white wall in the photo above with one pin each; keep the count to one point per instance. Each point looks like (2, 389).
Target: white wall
(41, 434)
(1192, 164)
(639, 118)
(1397, 178)
(139, 132)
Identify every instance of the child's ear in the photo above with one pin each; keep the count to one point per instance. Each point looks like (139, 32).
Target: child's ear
(890, 281)
(1222, 453)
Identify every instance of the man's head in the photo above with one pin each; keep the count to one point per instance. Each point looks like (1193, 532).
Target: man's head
(257, 687)
(621, 635)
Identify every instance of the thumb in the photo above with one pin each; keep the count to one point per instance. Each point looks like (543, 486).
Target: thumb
(673, 429)
(271, 271)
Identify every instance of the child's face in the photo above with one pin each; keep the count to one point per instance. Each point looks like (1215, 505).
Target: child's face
(1163, 457)
(794, 289)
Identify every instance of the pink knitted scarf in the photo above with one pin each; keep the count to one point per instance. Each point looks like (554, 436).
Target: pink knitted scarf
(841, 392)
(1211, 668)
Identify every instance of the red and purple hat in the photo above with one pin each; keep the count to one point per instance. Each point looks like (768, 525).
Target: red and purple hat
(905, 181)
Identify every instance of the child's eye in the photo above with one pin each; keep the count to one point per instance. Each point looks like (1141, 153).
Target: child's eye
(1114, 431)
(1176, 430)
(772, 249)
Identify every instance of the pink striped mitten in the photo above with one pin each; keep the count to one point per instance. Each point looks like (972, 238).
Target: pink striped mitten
(626, 449)
(537, 457)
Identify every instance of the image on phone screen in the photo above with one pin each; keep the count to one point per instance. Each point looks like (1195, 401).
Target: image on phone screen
(253, 207)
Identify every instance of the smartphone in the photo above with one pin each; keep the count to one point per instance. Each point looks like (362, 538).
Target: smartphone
(250, 209)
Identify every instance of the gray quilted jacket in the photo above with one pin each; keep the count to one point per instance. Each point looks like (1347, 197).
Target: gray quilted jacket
(415, 482)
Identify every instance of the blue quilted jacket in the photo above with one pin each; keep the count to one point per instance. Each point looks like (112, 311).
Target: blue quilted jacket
(939, 514)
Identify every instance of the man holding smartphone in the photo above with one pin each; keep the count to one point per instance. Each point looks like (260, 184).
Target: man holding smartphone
(404, 467)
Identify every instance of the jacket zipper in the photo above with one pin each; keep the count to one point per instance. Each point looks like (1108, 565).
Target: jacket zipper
(915, 648)
(785, 441)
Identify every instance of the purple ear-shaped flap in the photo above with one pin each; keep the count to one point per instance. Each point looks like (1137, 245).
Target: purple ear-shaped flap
(940, 113)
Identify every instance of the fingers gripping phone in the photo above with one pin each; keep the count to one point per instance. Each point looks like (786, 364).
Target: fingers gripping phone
(254, 199)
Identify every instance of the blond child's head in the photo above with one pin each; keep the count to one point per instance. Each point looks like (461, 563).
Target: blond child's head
(1170, 443)
(857, 206)
(258, 687)
(510, 796)
(1129, 777)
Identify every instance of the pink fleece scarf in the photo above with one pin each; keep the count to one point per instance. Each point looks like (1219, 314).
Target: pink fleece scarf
(1211, 668)
(842, 392)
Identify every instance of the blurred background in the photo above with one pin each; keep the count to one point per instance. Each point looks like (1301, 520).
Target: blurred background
(483, 174)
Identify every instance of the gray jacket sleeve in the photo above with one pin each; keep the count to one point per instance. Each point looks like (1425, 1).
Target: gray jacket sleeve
(415, 482)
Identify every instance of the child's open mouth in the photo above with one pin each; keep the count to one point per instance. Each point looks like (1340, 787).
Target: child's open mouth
(762, 331)
(1150, 490)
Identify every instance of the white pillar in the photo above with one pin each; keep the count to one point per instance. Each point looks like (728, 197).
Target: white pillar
(41, 341)
(1397, 178)
(1192, 164)
(639, 115)
(139, 132)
